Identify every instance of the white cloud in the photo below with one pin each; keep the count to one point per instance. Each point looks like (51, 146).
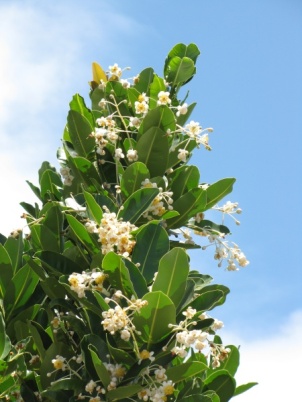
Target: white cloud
(273, 362)
(45, 59)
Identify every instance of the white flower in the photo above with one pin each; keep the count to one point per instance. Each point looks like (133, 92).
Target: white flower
(119, 153)
(90, 386)
(59, 363)
(115, 70)
(132, 155)
(182, 109)
(217, 324)
(193, 129)
(182, 154)
(134, 122)
(164, 98)
(125, 335)
(125, 83)
(141, 107)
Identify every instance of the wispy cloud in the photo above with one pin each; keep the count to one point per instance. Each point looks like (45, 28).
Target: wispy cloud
(273, 362)
(45, 58)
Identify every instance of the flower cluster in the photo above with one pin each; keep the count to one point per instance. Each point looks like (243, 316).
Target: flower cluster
(229, 208)
(87, 281)
(114, 234)
(67, 176)
(119, 319)
(142, 104)
(161, 203)
(187, 338)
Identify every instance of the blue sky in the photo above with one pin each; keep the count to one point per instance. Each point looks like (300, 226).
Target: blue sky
(248, 87)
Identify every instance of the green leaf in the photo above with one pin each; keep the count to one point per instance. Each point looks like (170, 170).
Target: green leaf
(123, 392)
(207, 301)
(137, 204)
(222, 383)
(58, 264)
(99, 367)
(133, 177)
(172, 274)
(152, 242)
(35, 189)
(50, 181)
(6, 270)
(80, 129)
(188, 205)
(153, 150)
(183, 179)
(144, 81)
(74, 384)
(244, 387)
(5, 344)
(180, 70)
(185, 371)
(161, 117)
(231, 363)
(15, 248)
(218, 190)
(182, 50)
(20, 289)
(82, 235)
(156, 86)
(118, 274)
(154, 318)
(137, 279)
(85, 172)
(78, 104)
(101, 346)
(95, 211)
(43, 238)
(120, 356)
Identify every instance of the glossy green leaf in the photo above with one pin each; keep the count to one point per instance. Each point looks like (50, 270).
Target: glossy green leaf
(120, 356)
(153, 150)
(94, 210)
(5, 344)
(161, 117)
(123, 392)
(20, 289)
(180, 70)
(102, 349)
(133, 177)
(58, 264)
(181, 50)
(27, 393)
(15, 248)
(183, 179)
(137, 204)
(209, 396)
(152, 242)
(154, 318)
(78, 104)
(6, 270)
(34, 189)
(137, 279)
(43, 238)
(86, 172)
(24, 316)
(207, 301)
(74, 384)
(185, 371)
(172, 274)
(218, 190)
(82, 235)
(222, 383)
(118, 274)
(50, 183)
(156, 86)
(79, 129)
(99, 367)
(188, 205)
(244, 387)
(144, 81)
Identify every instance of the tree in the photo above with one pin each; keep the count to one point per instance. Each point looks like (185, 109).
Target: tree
(98, 299)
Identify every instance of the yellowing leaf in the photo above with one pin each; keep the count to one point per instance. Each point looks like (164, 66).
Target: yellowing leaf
(98, 73)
